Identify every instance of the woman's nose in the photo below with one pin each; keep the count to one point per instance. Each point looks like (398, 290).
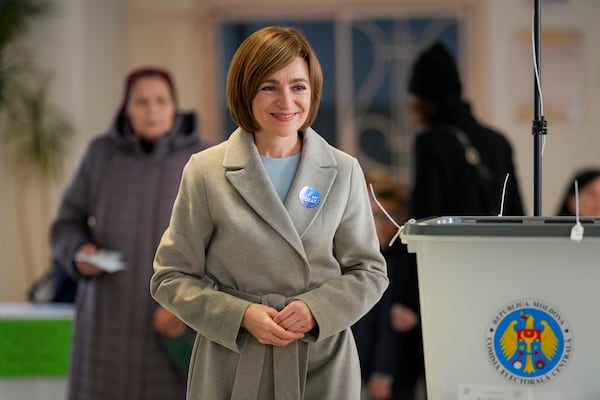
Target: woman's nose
(153, 107)
(284, 98)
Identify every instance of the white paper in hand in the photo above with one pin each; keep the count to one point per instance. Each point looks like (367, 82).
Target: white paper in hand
(106, 260)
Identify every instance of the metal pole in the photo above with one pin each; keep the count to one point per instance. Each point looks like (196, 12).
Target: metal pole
(539, 124)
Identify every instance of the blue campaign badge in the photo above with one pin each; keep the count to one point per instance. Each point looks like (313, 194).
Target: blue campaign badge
(309, 197)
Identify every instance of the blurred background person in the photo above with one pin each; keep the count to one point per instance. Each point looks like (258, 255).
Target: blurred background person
(460, 164)
(588, 183)
(389, 337)
(120, 199)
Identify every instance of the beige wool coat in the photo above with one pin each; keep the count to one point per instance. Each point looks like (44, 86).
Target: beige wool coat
(231, 242)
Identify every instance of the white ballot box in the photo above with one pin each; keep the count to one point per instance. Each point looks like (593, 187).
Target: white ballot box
(510, 307)
(35, 343)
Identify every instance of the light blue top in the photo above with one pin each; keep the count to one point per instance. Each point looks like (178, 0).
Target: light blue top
(282, 172)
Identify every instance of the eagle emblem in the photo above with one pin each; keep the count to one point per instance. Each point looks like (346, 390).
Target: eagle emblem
(529, 342)
(528, 345)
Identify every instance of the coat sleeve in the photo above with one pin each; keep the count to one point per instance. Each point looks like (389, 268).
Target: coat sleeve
(70, 230)
(339, 303)
(180, 283)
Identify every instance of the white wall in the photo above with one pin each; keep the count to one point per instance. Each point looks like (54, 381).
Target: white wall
(568, 145)
(90, 45)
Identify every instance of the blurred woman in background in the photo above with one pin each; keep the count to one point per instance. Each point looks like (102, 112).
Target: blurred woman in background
(588, 183)
(120, 200)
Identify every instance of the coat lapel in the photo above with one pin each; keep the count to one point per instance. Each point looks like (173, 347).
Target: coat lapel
(245, 172)
(316, 170)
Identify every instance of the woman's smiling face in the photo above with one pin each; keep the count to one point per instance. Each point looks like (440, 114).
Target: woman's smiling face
(281, 105)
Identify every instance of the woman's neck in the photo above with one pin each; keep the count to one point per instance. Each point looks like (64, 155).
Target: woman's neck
(278, 147)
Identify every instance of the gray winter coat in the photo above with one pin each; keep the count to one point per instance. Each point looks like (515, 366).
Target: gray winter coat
(121, 198)
(232, 242)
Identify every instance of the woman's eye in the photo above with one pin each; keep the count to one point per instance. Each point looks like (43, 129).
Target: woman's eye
(268, 88)
(140, 101)
(299, 88)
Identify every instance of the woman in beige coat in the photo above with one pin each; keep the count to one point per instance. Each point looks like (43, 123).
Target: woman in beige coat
(271, 253)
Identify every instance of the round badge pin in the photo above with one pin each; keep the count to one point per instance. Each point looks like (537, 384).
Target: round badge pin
(309, 197)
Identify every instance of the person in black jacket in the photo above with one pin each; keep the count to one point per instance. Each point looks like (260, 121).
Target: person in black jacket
(460, 165)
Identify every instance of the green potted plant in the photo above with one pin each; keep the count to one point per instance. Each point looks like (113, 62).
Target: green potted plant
(33, 131)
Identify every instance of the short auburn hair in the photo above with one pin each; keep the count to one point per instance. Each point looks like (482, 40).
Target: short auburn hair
(260, 55)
